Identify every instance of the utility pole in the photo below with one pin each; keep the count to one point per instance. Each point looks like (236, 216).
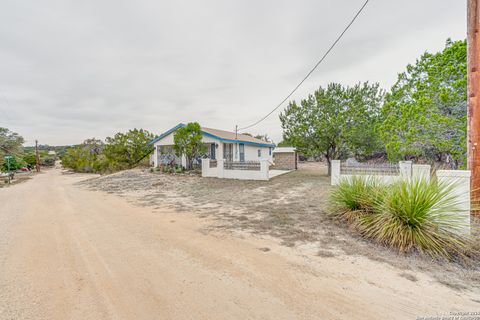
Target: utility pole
(236, 143)
(473, 43)
(37, 157)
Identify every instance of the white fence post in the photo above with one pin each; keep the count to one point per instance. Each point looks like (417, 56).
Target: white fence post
(264, 164)
(461, 181)
(220, 168)
(155, 156)
(335, 172)
(421, 171)
(405, 169)
(205, 167)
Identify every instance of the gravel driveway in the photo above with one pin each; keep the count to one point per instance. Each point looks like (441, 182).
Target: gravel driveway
(291, 207)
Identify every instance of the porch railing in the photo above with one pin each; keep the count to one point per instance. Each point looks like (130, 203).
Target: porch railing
(370, 169)
(244, 165)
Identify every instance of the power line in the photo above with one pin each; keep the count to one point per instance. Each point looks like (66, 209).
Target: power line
(314, 67)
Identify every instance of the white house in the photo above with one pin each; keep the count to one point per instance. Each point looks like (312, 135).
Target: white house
(222, 145)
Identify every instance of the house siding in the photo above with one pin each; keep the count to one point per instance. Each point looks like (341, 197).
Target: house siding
(251, 151)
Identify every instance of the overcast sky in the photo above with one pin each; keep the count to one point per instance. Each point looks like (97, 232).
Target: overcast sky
(71, 70)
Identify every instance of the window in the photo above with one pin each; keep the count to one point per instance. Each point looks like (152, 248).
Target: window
(212, 151)
(259, 153)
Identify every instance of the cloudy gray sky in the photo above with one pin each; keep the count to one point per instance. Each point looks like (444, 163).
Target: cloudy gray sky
(71, 70)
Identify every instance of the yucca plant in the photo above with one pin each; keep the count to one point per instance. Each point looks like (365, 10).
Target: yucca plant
(418, 214)
(356, 197)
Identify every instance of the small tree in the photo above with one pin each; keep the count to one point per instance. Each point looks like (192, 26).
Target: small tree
(188, 142)
(84, 157)
(10, 143)
(124, 150)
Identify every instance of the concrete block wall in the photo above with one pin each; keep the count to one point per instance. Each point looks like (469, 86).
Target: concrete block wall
(421, 171)
(285, 160)
(222, 173)
(460, 180)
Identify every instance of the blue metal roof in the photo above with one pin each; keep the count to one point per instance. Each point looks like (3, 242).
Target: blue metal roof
(181, 125)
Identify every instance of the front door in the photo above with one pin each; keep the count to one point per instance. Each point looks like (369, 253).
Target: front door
(241, 147)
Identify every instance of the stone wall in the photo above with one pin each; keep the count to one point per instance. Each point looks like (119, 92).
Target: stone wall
(285, 160)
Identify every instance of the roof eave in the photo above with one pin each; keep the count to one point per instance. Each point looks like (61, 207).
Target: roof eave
(181, 125)
(166, 133)
(239, 141)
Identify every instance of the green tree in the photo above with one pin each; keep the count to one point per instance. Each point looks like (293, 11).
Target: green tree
(284, 143)
(188, 142)
(335, 122)
(30, 159)
(425, 113)
(84, 157)
(125, 150)
(15, 163)
(10, 143)
(263, 137)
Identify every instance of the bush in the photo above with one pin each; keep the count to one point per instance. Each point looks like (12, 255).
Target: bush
(411, 214)
(356, 196)
(48, 161)
(173, 169)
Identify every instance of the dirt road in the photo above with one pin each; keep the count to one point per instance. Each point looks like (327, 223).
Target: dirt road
(70, 253)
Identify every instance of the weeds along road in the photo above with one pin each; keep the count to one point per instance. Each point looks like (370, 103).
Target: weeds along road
(69, 253)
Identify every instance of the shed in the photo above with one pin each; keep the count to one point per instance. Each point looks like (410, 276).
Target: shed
(285, 158)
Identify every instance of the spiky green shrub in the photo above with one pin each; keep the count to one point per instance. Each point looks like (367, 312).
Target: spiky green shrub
(356, 197)
(417, 214)
(411, 214)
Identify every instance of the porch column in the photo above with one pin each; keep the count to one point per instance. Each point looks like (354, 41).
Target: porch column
(155, 156)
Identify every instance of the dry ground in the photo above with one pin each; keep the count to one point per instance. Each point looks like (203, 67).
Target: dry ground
(291, 207)
(19, 178)
(67, 252)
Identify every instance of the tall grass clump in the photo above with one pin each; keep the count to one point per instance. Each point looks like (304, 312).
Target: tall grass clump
(356, 197)
(410, 214)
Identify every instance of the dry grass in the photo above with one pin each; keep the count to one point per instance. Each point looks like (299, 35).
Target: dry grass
(19, 178)
(291, 207)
